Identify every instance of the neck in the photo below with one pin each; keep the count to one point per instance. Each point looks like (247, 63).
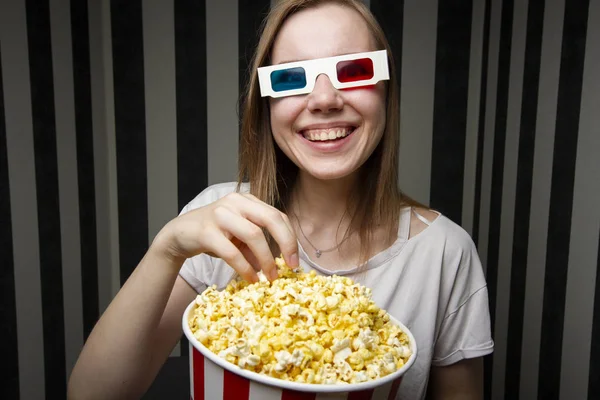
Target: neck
(322, 204)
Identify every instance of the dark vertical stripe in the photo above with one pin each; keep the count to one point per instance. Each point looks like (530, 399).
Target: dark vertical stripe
(130, 131)
(394, 389)
(8, 306)
(173, 381)
(235, 386)
(390, 15)
(190, 64)
(361, 395)
(198, 362)
(498, 154)
(288, 394)
(481, 127)
(594, 372)
(85, 163)
(518, 278)
(250, 17)
(190, 81)
(561, 196)
(453, 55)
(506, 23)
(46, 177)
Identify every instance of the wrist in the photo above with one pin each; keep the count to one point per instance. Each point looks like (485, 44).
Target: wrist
(162, 249)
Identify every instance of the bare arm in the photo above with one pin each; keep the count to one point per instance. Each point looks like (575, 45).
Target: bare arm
(463, 380)
(134, 337)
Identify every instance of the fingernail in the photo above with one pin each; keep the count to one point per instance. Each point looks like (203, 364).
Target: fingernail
(294, 262)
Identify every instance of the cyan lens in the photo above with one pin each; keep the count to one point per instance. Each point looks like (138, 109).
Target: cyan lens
(288, 79)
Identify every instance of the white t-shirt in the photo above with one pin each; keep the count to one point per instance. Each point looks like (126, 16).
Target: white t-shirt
(433, 283)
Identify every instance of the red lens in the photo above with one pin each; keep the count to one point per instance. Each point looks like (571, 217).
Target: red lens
(355, 70)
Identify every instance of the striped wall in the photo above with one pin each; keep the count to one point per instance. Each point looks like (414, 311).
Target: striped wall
(114, 114)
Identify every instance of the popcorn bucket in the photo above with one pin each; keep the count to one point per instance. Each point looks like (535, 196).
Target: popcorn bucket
(213, 378)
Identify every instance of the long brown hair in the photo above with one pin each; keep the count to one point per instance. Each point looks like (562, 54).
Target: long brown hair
(272, 175)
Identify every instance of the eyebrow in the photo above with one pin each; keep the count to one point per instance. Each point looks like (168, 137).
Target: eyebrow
(293, 60)
(306, 59)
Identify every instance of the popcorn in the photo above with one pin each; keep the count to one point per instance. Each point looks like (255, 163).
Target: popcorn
(301, 327)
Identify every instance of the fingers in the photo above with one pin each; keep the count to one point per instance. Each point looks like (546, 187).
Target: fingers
(227, 251)
(249, 233)
(248, 255)
(285, 217)
(278, 225)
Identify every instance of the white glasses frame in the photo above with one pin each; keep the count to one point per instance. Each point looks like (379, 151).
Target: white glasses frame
(313, 68)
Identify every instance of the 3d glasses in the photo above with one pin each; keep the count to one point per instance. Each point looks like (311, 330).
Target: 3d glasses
(347, 71)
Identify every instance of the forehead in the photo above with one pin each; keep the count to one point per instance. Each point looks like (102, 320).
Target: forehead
(323, 31)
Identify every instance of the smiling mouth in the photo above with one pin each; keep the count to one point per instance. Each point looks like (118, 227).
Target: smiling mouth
(327, 135)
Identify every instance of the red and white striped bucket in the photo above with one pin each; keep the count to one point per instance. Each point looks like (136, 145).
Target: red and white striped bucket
(213, 378)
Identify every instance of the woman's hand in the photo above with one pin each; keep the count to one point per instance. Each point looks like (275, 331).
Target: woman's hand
(232, 229)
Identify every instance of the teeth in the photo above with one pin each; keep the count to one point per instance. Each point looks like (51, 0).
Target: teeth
(326, 134)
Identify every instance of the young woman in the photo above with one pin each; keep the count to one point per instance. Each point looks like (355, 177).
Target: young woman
(319, 164)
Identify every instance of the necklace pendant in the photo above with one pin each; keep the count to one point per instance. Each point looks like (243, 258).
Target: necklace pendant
(318, 253)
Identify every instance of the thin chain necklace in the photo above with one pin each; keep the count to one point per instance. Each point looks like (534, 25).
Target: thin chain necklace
(318, 252)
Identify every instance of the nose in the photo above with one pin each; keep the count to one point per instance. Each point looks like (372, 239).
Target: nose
(324, 97)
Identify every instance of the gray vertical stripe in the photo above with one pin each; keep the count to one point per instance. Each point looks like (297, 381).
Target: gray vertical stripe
(416, 97)
(474, 99)
(540, 196)
(62, 60)
(222, 90)
(161, 121)
(490, 118)
(111, 142)
(515, 90)
(99, 122)
(585, 226)
(21, 174)
(161, 124)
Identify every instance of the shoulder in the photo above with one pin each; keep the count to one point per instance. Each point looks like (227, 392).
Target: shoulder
(449, 254)
(442, 234)
(214, 193)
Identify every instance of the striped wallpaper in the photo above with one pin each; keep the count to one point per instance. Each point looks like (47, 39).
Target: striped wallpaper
(114, 114)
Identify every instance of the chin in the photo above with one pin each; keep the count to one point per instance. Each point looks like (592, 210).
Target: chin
(330, 175)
